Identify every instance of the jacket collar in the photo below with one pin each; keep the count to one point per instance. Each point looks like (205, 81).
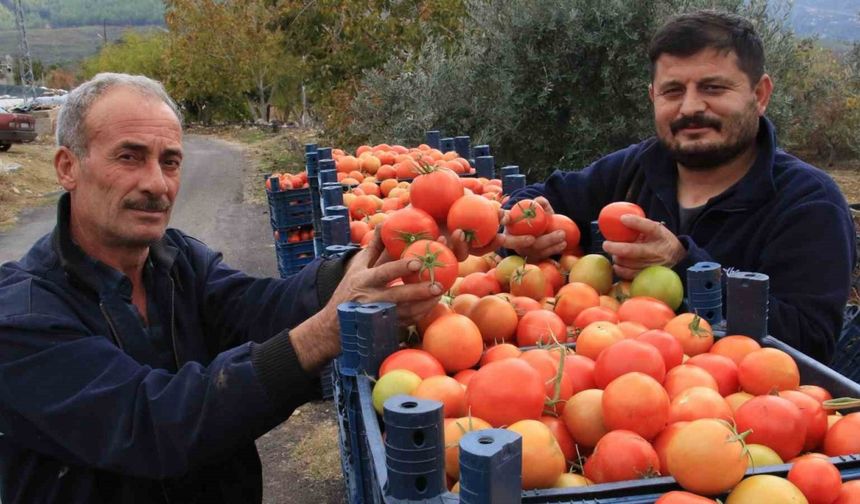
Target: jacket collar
(89, 273)
(754, 188)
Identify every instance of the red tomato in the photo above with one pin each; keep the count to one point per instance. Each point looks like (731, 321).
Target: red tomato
(609, 221)
(558, 222)
(814, 417)
(636, 402)
(707, 457)
(849, 493)
(562, 436)
(594, 314)
(477, 217)
(722, 368)
(435, 192)
(844, 437)
(775, 422)
(627, 356)
(529, 281)
(540, 327)
(406, 226)
(622, 455)
(580, 369)
(661, 443)
(418, 361)
(479, 284)
(499, 352)
(527, 218)
(818, 479)
(496, 318)
(668, 346)
(455, 341)
(438, 263)
(362, 206)
(680, 497)
(699, 402)
(648, 311)
(505, 391)
(768, 369)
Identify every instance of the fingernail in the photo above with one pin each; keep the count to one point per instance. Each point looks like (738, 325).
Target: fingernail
(435, 289)
(560, 235)
(414, 265)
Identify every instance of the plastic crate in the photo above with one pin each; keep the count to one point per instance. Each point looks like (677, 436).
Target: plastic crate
(327, 381)
(288, 209)
(846, 358)
(292, 257)
(371, 466)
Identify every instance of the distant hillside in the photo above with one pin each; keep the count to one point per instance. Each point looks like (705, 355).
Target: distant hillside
(63, 45)
(831, 20)
(72, 13)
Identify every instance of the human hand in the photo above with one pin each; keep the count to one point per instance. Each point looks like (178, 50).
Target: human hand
(367, 278)
(536, 249)
(656, 245)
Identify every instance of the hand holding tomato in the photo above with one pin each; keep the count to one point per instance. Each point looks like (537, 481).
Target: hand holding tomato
(366, 281)
(536, 248)
(462, 241)
(656, 245)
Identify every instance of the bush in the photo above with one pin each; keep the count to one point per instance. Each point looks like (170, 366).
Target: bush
(549, 83)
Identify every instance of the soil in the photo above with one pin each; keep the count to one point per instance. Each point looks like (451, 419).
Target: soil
(27, 179)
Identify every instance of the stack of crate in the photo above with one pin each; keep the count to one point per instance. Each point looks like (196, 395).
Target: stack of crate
(292, 226)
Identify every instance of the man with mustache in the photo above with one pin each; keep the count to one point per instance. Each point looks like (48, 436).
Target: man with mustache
(715, 186)
(135, 366)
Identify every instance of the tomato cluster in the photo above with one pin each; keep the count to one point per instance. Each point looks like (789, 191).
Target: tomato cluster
(646, 392)
(287, 181)
(295, 235)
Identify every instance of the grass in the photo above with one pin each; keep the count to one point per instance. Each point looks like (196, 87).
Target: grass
(63, 45)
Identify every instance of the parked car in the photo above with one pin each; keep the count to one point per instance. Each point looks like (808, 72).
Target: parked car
(16, 128)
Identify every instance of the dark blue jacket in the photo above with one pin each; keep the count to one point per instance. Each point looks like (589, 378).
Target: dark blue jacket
(95, 408)
(784, 218)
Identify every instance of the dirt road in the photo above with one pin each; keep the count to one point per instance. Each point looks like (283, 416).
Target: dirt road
(300, 457)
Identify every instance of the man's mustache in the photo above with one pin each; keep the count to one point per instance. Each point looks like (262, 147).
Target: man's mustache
(699, 120)
(147, 204)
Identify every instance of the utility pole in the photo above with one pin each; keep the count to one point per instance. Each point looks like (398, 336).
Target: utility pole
(25, 62)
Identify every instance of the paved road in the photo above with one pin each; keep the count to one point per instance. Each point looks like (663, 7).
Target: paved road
(209, 207)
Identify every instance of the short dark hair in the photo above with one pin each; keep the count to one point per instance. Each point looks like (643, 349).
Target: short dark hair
(687, 34)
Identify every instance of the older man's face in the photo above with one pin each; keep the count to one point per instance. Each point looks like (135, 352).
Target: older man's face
(126, 185)
(706, 111)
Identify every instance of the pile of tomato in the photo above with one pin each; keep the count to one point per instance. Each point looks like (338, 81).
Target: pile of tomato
(646, 392)
(287, 181)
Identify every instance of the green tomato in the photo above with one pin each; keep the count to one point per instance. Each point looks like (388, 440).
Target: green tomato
(659, 282)
(399, 381)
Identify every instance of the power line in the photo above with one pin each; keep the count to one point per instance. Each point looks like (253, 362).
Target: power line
(25, 62)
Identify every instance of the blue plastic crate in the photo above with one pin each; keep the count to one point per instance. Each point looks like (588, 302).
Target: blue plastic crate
(372, 467)
(292, 257)
(627, 492)
(326, 381)
(291, 208)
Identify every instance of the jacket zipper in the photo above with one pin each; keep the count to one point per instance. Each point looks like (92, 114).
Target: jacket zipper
(110, 323)
(173, 322)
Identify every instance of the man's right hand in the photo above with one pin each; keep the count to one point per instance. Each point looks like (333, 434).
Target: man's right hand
(536, 249)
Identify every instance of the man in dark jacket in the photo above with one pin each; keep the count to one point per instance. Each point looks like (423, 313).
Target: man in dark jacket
(135, 366)
(715, 186)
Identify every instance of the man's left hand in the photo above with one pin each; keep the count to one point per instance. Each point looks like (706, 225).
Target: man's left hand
(656, 245)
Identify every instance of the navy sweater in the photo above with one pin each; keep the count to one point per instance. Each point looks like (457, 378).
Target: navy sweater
(96, 409)
(784, 218)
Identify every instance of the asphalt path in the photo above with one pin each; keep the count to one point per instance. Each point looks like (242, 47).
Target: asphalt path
(209, 207)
